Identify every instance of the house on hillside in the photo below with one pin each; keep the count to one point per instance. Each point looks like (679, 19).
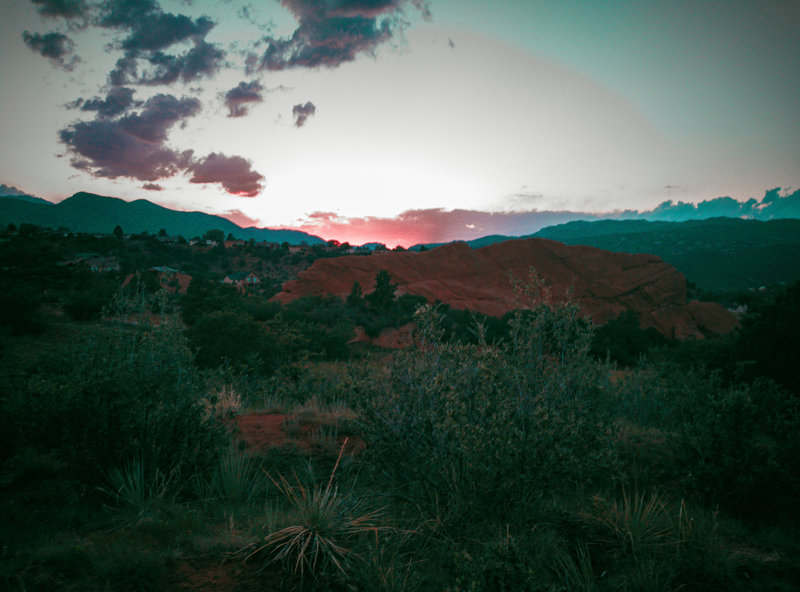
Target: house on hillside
(170, 279)
(95, 262)
(244, 279)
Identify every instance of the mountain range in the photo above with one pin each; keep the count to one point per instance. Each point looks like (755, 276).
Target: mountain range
(87, 212)
(721, 254)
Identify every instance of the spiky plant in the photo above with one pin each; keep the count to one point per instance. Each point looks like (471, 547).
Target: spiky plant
(325, 527)
(136, 486)
(237, 479)
(640, 523)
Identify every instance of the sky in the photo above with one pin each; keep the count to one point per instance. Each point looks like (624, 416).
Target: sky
(402, 121)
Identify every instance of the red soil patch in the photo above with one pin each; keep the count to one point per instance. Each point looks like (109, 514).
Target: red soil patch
(227, 577)
(269, 430)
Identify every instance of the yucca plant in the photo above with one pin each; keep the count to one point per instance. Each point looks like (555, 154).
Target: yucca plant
(237, 479)
(325, 527)
(136, 486)
(577, 570)
(637, 521)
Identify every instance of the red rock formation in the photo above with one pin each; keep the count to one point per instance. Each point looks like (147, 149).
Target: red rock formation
(604, 284)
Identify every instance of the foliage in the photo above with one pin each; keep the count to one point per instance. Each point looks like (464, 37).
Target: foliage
(384, 293)
(623, 341)
(226, 336)
(476, 429)
(111, 397)
(769, 338)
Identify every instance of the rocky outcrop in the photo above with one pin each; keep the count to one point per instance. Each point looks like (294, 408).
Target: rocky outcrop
(604, 284)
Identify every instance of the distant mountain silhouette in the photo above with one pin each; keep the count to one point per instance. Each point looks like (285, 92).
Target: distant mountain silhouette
(721, 254)
(87, 212)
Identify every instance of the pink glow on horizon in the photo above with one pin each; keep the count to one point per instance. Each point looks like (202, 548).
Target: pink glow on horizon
(434, 225)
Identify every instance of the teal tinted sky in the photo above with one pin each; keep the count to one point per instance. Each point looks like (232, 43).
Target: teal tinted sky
(399, 121)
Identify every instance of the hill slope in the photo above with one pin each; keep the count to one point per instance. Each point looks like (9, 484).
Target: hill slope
(86, 212)
(604, 284)
(719, 254)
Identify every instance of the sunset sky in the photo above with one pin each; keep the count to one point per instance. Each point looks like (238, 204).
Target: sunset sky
(400, 121)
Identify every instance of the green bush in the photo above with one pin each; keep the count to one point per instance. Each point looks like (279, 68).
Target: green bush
(467, 431)
(115, 396)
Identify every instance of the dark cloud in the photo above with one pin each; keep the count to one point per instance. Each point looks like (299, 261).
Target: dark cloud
(117, 101)
(234, 173)
(124, 13)
(56, 47)
(332, 32)
(133, 145)
(159, 114)
(151, 32)
(238, 98)
(152, 187)
(61, 8)
(204, 59)
(158, 31)
(103, 149)
(303, 112)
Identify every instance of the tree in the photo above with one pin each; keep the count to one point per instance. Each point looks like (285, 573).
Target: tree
(118, 231)
(215, 235)
(356, 296)
(162, 232)
(226, 335)
(383, 295)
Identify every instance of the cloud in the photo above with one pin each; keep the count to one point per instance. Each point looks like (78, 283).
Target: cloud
(234, 173)
(238, 98)
(121, 13)
(239, 218)
(152, 31)
(159, 30)
(103, 149)
(202, 60)
(152, 187)
(117, 101)
(302, 112)
(134, 145)
(57, 47)
(772, 205)
(159, 114)
(333, 32)
(434, 225)
(61, 8)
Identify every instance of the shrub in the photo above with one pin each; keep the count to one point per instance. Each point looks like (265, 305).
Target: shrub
(115, 396)
(474, 430)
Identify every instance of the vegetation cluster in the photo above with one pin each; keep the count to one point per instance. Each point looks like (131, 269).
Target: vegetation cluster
(533, 452)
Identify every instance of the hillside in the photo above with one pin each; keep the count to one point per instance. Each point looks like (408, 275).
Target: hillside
(718, 254)
(86, 212)
(605, 284)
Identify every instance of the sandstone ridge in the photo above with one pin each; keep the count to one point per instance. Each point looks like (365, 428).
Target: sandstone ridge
(604, 284)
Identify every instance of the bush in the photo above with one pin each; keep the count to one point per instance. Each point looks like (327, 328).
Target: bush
(469, 431)
(114, 397)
